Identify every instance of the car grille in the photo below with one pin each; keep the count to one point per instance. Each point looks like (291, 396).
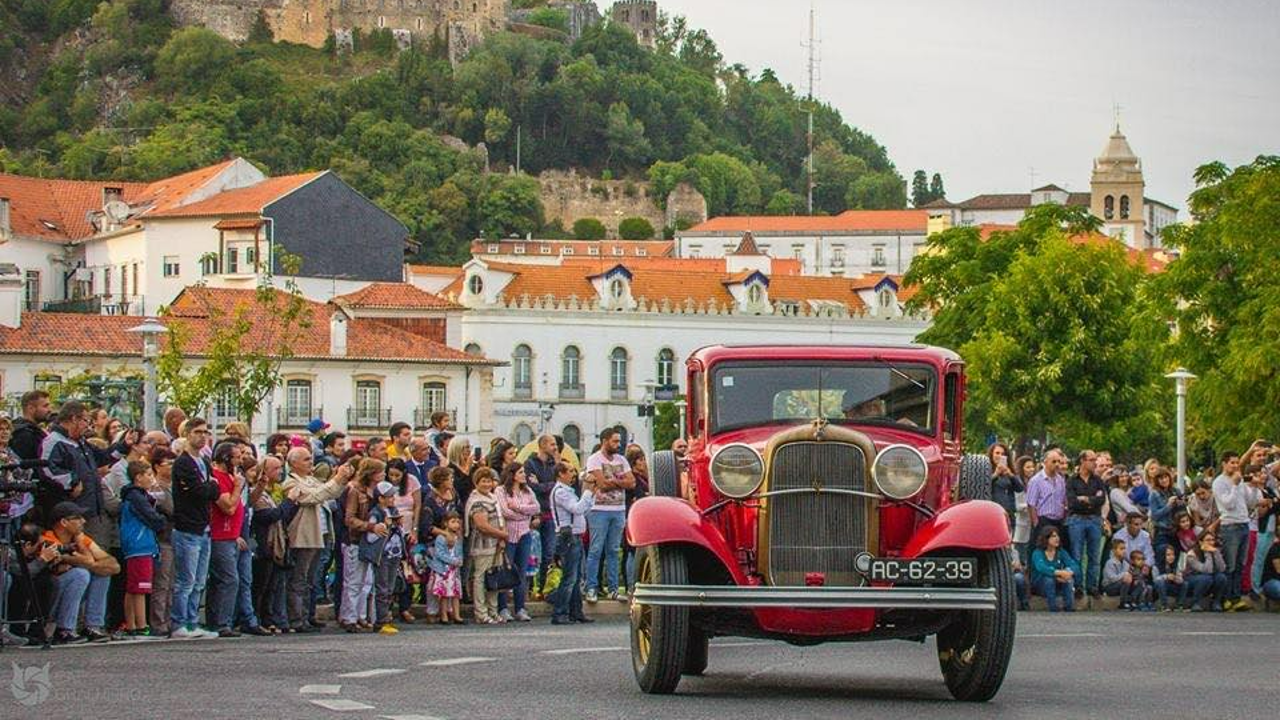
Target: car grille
(816, 532)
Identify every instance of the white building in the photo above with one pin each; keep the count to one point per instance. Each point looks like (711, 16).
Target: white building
(587, 342)
(1115, 196)
(368, 359)
(131, 248)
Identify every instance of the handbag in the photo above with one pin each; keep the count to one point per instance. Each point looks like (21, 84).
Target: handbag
(501, 576)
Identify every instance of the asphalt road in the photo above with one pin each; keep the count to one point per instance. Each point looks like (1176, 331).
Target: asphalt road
(1064, 666)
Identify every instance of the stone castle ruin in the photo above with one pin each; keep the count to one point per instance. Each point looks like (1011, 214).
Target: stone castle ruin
(569, 197)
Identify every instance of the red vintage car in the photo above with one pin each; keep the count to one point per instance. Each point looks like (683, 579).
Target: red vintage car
(824, 498)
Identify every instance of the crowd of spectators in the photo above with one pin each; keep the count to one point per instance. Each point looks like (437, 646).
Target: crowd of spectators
(1154, 541)
(178, 533)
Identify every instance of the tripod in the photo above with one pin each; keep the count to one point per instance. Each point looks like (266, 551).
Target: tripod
(11, 546)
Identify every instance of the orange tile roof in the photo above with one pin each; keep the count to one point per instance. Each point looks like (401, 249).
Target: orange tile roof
(239, 224)
(394, 296)
(55, 210)
(167, 193)
(533, 247)
(241, 201)
(848, 221)
(656, 283)
(449, 270)
(197, 308)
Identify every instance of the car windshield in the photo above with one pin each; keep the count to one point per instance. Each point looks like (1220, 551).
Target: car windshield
(870, 393)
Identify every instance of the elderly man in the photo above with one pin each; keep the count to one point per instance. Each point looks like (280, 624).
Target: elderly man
(72, 473)
(1047, 495)
(306, 532)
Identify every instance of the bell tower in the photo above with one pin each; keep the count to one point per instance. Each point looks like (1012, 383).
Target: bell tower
(1115, 191)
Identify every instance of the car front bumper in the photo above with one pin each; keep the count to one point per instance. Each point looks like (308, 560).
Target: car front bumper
(933, 598)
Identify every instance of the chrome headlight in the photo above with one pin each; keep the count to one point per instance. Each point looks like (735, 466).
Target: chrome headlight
(737, 470)
(900, 471)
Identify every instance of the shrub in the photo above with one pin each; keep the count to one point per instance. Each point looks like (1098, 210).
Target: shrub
(588, 229)
(635, 228)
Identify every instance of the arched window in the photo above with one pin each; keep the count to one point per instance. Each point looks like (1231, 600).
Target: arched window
(572, 435)
(473, 350)
(755, 293)
(1124, 207)
(886, 298)
(571, 372)
(666, 367)
(522, 434)
(617, 289)
(618, 373)
(522, 371)
(1108, 207)
(475, 284)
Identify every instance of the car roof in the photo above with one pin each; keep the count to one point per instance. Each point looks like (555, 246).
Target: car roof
(712, 354)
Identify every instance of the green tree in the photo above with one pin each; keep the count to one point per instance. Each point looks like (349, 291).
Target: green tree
(551, 18)
(920, 188)
(666, 425)
(510, 205)
(624, 137)
(588, 229)
(496, 126)
(936, 189)
(1223, 293)
(260, 31)
(635, 228)
(193, 60)
(784, 202)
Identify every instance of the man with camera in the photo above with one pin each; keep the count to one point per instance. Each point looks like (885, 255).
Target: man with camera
(81, 574)
(72, 471)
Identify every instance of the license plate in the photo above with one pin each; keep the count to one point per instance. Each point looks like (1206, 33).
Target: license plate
(934, 571)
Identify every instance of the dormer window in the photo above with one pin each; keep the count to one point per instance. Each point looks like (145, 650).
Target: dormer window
(886, 298)
(755, 294)
(617, 288)
(475, 284)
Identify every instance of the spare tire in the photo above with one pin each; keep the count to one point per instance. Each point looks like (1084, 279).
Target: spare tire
(664, 474)
(975, 478)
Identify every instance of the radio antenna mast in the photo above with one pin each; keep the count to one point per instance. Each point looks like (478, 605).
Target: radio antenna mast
(812, 46)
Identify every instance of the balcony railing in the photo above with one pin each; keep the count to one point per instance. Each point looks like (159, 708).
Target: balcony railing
(422, 418)
(572, 392)
(368, 418)
(297, 417)
(98, 305)
(666, 392)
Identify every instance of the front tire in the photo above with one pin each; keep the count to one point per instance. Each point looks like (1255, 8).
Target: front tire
(659, 633)
(975, 478)
(664, 480)
(695, 657)
(975, 649)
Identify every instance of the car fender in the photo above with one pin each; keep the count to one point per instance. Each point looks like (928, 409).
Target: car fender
(975, 524)
(662, 520)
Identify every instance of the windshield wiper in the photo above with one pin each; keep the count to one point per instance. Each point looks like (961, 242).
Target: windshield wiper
(900, 373)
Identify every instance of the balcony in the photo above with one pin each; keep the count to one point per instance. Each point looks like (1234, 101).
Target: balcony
(422, 418)
(368, 418)
(98, 305)
(297, 417)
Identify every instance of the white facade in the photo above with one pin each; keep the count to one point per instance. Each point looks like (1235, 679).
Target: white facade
(825, 254)
(42, 265)
(341, 391)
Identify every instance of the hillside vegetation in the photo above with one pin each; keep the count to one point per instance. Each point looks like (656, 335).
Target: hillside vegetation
(114, 90)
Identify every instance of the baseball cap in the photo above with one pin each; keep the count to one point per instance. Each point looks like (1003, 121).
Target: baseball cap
(385, 488)
(317, 425)
(67, 509)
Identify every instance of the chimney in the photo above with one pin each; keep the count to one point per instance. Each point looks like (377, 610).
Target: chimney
(5, 227)
(338, 333)
(11, 292)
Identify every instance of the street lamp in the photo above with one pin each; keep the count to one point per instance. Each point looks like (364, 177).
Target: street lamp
(681, 407)
(150, 330)
(647, 408)
(1180, 378)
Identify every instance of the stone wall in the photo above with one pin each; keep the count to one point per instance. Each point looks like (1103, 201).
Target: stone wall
(568, 197)
(311, 22)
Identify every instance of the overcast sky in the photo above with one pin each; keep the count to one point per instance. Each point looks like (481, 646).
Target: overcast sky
(985, 90)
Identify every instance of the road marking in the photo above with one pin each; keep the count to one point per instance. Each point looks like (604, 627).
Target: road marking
(320, 689)
(572, 651)
(456, 661)
(1226, 633)
(410, 717)
(340, 705)
(1060, 635)
(376, 672)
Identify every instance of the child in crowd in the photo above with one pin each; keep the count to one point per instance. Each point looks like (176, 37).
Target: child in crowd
(446, 563)
(139, 523)
(1141, 580)
(1118, 578)
(1140, 493)
(1186, 532)
(1168, 580)
(384, 553)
